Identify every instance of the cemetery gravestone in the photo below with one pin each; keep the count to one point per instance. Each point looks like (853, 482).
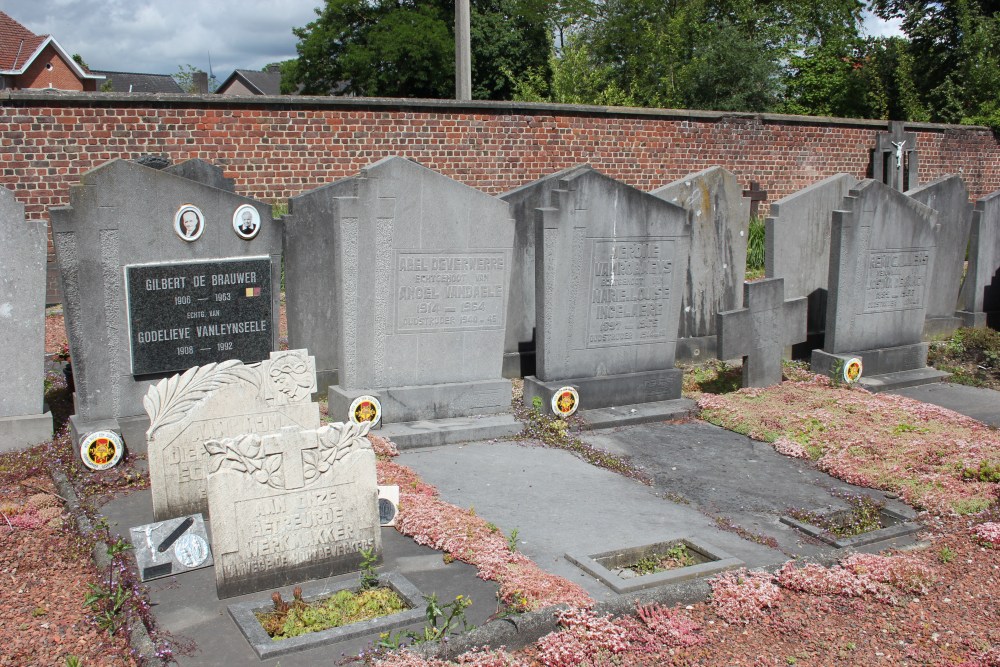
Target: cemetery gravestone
(607, 283)
(156, 279)
(519, 344)
(881, 260)
(950, 198)
(24, 420)
(719, 217)
(894, 160)
(760, 332)
(418, 291)
(218, 401)
(797, 245)
(290, 506)
(979, 300)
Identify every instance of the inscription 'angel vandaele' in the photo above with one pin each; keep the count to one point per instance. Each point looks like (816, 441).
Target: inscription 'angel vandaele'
(290, 459)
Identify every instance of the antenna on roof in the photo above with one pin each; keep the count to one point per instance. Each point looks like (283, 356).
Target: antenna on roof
(211, 75)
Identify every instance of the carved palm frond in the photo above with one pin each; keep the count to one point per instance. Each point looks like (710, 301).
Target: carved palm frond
(168, 401)
(337, 440)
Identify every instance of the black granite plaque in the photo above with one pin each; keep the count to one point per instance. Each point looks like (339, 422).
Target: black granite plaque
(195, 313)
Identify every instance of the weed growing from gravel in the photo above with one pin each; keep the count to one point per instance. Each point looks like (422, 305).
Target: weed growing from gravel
(865, 515)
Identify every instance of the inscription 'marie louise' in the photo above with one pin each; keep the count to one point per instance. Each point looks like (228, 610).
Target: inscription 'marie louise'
(630, 292)
(897, 280)
(437, 291)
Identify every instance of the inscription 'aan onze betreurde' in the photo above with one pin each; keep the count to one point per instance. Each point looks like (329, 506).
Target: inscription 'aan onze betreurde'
(897, 280)
(630, 292)
(437, 292)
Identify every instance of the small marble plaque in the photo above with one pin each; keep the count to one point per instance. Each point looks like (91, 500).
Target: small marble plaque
(171, 547)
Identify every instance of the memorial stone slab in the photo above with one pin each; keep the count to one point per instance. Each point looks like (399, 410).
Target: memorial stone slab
(218, 401)
(760, 332)
(881, 260)
(194, 297)
(797, 244)
(979, 300)
(950, 198)
(719, 217)
(24, 420)
(420, 277)
(171, 547)
(290, 506)
(519, 344)
(607, 283)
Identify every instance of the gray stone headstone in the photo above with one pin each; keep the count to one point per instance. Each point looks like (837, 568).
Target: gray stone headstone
(950, 198)
(217, 401)
(719, 217)
(760, 332)
(797, 243)
(418, 277)
(607, 283)
(291, 506)
(881, 261)
(24, 420)
(519, 344)
(979, 299)
(126, 215)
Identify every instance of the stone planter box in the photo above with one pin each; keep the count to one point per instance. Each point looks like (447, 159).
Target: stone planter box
(266, 647)
(895, 525)
(608, 566)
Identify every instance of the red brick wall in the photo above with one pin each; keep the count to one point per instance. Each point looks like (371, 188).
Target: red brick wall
(278, 147)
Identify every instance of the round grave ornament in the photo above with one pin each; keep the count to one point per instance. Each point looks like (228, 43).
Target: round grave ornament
(102, 450)
(246, 222)
(189, 223)
(191, 550)
(565, 402)
(366, 409)
(386, 512)
(852, 370)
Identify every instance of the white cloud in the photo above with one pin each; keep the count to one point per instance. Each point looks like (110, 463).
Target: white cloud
(157, 36)
(876, 27)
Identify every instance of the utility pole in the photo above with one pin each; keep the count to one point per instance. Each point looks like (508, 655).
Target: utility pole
(463, 51)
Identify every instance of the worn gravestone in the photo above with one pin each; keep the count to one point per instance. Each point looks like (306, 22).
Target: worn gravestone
(719, 217)
(608, 272)
(24, 420)
(519, 344)
(797, 244)
(413, 310)
(219, 401)
(290, 506)
(760, 332)
(979, 300)
(881, 259)
(159, 273)
(950, 198)
(895, 160)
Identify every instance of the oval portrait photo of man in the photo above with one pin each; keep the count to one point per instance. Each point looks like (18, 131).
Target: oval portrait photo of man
(189, 223)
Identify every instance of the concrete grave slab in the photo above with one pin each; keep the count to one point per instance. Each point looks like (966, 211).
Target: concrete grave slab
(881, 262)
(979, 299)
(24, 419)
(219, 401)
(289, 506)
(797, 244)
(950, 198)
(719, 219)
(124, 214)
(607, 279)
(760, 332)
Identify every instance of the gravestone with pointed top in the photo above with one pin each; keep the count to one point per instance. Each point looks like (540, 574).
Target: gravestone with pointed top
(290, 506)
(881, 261)
(24, 420)
(719, 217)
(950, 198)
(760, 331)
(979, 300)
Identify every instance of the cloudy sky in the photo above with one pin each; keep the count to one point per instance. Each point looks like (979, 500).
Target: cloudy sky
(159, 36)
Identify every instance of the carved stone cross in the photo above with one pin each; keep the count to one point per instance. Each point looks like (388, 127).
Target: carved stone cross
(760, 331)
(290, 443)
(894, 160)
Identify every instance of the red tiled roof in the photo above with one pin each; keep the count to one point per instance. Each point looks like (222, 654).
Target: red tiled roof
(17, 43)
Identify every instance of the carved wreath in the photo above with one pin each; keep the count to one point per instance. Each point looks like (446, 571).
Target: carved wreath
(246, 454)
